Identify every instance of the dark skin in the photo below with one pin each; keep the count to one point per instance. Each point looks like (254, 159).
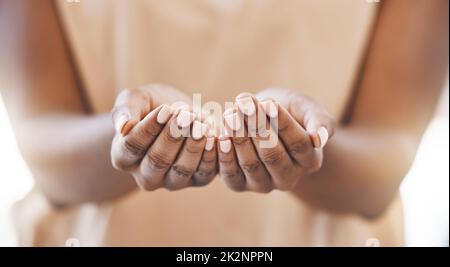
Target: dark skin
(363, 163)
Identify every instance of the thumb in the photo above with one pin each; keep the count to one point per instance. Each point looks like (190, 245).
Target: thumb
(129, 108)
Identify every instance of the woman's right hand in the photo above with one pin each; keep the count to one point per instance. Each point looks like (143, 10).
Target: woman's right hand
(150, 141)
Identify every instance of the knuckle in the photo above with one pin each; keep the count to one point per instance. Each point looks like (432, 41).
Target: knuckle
(158, 161)
(182, 172)
(170, 138)
(194, 149)
(283, 126)
(272, 157)
(233, 180)
(173, 183)
(259, 128)
(208, 159)
(226, 161)
(204, 174)
(240, 141)
(132, 147)
(300, 146)
(230, 175)
(251, 166)
(209, 167)
(150, 132)
(202, 178)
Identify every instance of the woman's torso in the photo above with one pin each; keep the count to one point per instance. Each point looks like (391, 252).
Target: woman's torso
(220, 48)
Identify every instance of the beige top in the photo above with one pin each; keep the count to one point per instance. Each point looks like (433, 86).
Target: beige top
(218, 48)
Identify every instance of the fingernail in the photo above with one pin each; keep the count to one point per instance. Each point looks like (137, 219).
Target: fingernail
(198, 130)
(323, 135)
(246, 105)
(185, 118)
(209, 143)
(232, 119)
(164, 114)
(225, 145)
(270, 108)
(120, 122)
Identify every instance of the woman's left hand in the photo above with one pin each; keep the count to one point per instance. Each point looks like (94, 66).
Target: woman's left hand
(272, 143)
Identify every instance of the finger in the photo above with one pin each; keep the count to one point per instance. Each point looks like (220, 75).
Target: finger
(314, 118)
(185, 117)
(207, 169)
(257, 177)
(184, 167)
(248, 109)
(129, 108)
(229, 170)
(128, 150)
(161, 154)
(297, 141)
(270, 150)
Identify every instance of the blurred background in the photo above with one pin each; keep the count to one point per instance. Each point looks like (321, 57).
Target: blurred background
(425, 190)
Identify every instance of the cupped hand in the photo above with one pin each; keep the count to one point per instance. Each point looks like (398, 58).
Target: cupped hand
(273, 143)
(151, 140)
